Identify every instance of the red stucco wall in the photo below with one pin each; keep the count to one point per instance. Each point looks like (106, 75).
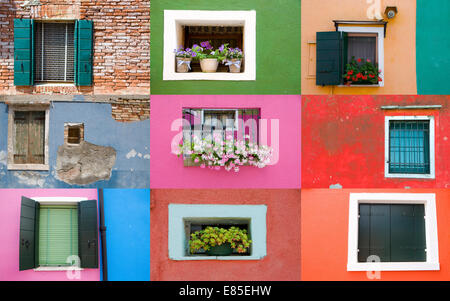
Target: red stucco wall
(283, 236)
(343, 140)
(325, 236)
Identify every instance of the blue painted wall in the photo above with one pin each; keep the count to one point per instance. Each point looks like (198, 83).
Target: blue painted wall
(127, 220)
(101, 129)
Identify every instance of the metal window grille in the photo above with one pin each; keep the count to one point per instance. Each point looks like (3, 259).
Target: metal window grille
(54, 52)
(409, 147)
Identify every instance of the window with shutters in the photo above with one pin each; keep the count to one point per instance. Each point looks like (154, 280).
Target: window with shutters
(28, 138)
(54, 52)
(210, 123)
(73, 133)
(409, 147)
(58, 233)
(184, 28)
(336, 49)
(185, 219)
(392, 231)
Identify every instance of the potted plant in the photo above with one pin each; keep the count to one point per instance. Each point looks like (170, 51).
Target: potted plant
(217, 241)
(361, 72)
(229, 153)
(234, 59)
(208, 56)
(184, 58)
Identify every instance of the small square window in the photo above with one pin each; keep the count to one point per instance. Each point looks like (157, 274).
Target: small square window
(409, 146)
(54, 52)
(73, 133)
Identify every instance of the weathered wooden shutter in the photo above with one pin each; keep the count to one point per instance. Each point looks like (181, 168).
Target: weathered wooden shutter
(83, 52)
(329, 57)
(88, 234)
(23, 52)
(30, 137)
(28, 243)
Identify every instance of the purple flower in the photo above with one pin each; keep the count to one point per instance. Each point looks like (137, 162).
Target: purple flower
(194, 54)
(221, 48)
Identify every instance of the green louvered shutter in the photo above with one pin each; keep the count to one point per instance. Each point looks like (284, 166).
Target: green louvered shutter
(83, 52)
(28, 243)
(88, 234)
(23, 52)
(329, 57)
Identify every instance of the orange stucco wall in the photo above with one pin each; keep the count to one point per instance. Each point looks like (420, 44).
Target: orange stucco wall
(282, 261)
(399, 44)
(325, 236)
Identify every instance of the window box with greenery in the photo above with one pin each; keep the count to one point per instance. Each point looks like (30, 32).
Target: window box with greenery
(53, 52)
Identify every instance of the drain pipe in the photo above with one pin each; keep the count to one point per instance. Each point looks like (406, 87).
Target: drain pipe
(103, 234)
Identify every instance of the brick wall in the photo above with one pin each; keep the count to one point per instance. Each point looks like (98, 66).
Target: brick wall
(121, 44)
(126, 110)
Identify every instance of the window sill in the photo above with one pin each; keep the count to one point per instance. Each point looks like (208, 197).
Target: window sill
(359, 86)
(43, 167)
(55, 85)
(410, 176)
(227, 76)
(55, 269)
(394, 266)
(252, 257)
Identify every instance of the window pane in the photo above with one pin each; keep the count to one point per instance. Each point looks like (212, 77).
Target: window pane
(362, 47)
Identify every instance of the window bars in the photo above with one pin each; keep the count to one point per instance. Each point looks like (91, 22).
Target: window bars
(409, 147)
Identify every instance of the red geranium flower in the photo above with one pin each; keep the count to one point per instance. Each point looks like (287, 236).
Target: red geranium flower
(359, 60)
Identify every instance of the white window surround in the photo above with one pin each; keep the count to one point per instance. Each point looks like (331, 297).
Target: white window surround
(177, 237)
(431, 235)
(175, 19)
(431, 175)
(379, 30)
(58, 201)
(12, 137)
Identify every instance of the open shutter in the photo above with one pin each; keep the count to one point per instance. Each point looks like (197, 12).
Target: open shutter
(28, 243)
(23, 52)
(83, 52)
(329, 57)
(88, 234)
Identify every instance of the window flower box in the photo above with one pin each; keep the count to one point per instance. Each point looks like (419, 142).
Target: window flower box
(361, 72)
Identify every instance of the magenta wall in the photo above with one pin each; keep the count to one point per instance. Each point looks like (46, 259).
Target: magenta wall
(9, 235)
(170, 170)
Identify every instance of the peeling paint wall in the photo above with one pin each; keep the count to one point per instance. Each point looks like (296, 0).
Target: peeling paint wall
(343, 141)
(99, 129)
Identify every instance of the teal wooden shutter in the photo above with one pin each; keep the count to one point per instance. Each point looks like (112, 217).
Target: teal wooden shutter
(83, 52)
(329, 57)
(23, 52)
(28, 243)
(88, 234)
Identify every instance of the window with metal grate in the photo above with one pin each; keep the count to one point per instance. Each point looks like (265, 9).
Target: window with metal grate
(409, 146)
(54, 52)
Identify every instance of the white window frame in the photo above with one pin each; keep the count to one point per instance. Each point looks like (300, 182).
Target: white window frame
(175, 19)
(178, 213)
(431, 234)
(431, 175)
(58, 201)
(380, 37)
(12, 138)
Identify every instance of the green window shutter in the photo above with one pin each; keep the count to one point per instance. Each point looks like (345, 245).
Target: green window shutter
(23, 52)
(58, 234)
(329, 57)
(28, 243)
(83, 52)
(88, 234)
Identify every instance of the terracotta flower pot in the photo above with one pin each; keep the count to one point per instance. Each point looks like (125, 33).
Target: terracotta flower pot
(222, 250)
(183, 64)
(209, 65)
(235, 65)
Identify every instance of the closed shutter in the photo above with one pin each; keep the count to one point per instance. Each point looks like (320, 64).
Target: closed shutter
(83, 49)
(23, 52)
(28, 243)
(88, 234)
(54, 52)
(29, 137)
(58, 234)
(329, 57)
(249, 124)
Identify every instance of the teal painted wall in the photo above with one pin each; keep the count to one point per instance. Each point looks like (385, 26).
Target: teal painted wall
(277, 48)
(433, 46)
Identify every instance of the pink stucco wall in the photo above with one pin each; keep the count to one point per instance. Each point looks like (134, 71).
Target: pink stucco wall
(169, 170)
(10, 230)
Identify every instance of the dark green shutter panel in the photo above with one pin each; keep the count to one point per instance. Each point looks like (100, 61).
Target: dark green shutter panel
(28, 243)
(374, 232)
(23, 52)
(83, 52)
(329, 58)
(88, 234)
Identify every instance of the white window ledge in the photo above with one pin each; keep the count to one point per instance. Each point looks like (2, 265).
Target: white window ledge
(54, 85)
(359, 86)
(56, 269)
(43, 167)
(251, 257)
(394, 266)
